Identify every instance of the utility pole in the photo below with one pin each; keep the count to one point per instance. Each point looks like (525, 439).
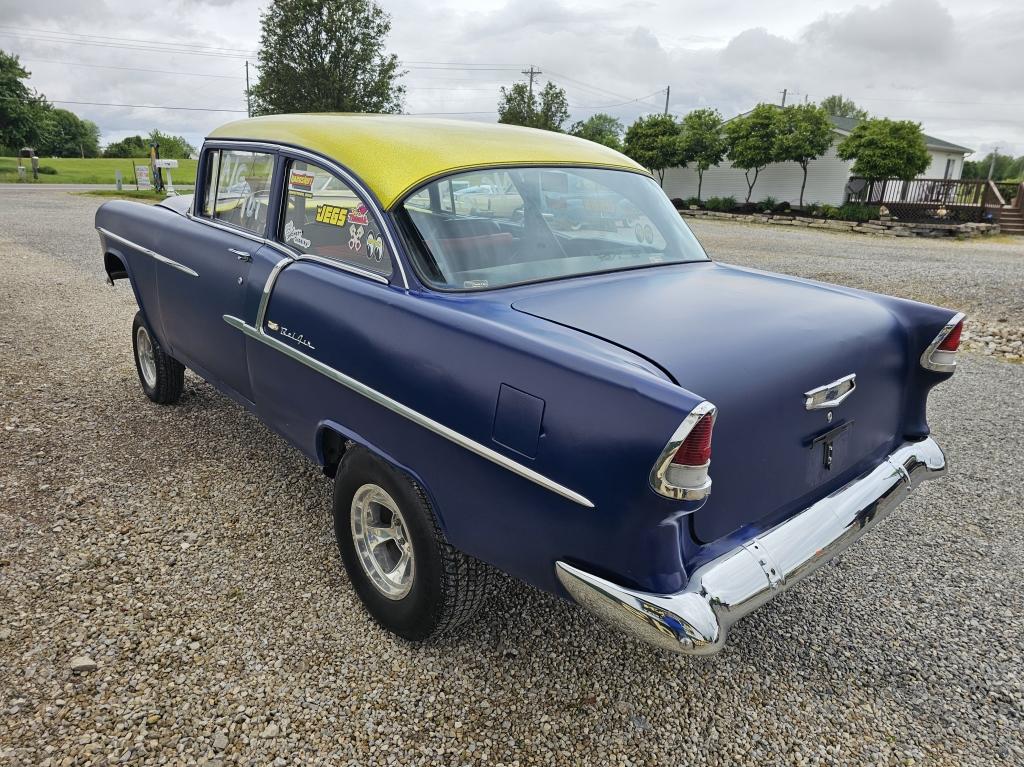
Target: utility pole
(248, 103)
(668, 90)
(531, 73)
(992, 165)
(784, 90)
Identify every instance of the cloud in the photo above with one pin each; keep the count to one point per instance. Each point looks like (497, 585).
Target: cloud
(956, 70)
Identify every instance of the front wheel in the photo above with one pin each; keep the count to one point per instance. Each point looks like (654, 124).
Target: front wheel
(409, 578)
(162, 377)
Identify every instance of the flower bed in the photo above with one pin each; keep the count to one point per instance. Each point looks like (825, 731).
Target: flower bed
(880, 226)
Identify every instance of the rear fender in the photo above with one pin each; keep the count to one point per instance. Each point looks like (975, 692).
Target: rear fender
(325, 427)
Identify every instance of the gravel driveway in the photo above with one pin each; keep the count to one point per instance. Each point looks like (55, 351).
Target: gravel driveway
(182, 560)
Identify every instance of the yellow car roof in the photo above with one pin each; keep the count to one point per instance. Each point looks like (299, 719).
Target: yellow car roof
(392, 154)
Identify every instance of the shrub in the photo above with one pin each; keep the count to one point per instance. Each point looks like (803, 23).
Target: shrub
(856, 211)
(678, 203)
(723, 204)
(693, 201)
(781, 207)
(827, 211)
(47, 170)
(767, 203)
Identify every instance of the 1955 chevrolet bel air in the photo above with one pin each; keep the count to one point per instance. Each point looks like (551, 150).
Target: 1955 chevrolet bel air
(510, 352)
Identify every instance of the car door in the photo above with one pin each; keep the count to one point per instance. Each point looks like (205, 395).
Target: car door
(342, 259)
(219, 244)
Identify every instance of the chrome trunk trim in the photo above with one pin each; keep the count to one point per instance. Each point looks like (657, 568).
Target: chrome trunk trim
(831, 394)
(407, 412)
(696, 620)
(147, 251)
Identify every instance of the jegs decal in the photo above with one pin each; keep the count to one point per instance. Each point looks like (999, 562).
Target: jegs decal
(331, 214)
(359, 216)
(300, 182)
(355, 241)
(374, 247)
(293, 234)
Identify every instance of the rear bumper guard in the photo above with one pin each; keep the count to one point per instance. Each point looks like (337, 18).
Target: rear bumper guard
(696, 620)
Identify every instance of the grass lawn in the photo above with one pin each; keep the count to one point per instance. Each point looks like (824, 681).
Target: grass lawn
(92, 170)
(127, 194)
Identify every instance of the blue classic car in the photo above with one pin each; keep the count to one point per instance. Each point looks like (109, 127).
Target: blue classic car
(510, 352)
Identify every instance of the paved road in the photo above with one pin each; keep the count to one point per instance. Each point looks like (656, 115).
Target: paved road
(187, 552)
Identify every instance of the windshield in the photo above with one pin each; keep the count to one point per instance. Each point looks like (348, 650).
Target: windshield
(492, 228)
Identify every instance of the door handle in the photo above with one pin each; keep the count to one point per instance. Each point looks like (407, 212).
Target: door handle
(242, 255)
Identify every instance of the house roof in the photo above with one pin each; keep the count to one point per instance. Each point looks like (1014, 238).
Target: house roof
(393, 154)
(847, 124)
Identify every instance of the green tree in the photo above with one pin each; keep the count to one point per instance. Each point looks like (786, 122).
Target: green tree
(1005, 167)
(326, 56)
(883, 148)
(752, 140)
(65, 134)
(836, 106)
(806, 134)
(600, 128)
(171, 147)
(548, 110)
(21, 108)
(702, 142)
(130, 146)
(653, 141)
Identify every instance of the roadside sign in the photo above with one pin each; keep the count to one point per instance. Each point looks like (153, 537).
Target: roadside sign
(142, 177)
(165, 163)
(118, 179)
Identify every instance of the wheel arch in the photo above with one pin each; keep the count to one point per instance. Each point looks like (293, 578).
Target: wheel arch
(332, 442)
(115, 267)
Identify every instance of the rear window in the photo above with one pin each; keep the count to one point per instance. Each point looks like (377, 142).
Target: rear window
(493, 228)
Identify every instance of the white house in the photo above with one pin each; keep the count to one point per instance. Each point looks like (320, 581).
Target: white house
(826, 176)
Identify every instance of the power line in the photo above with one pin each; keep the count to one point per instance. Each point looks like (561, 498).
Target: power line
(134, 69)
(131, 106)
(118, 39)
(150, 49)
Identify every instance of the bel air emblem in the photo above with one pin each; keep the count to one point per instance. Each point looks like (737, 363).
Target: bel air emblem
(831, 394)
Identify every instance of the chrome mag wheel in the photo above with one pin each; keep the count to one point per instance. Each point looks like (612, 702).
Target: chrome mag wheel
(382, 541)
(147, 359)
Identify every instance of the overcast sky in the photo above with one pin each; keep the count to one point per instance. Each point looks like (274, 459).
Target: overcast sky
(953, 65)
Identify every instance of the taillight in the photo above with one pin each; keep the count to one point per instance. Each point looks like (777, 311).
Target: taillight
(682, 468)
(696, 448)
(940, 355)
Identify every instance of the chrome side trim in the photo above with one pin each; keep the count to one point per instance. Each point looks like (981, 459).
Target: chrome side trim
(947, 365)
(148, 252)
(406, 412)
(831, 394)
(658, 479)
(268, 288)
(696, 620)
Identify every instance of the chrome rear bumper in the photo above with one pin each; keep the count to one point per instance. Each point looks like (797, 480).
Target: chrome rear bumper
(696, 620)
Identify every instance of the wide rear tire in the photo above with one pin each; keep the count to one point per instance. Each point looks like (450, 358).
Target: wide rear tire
(409, 578)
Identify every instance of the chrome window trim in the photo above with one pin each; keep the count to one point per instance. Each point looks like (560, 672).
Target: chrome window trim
(333, 167)
(416, 417)
(151, 253)
(926, 358)
(364, 195)
(658, 479)
(817, 399)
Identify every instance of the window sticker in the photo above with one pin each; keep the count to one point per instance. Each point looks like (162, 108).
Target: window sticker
(355, 242)
(374, 247)
(300, 182)
(359, 216)
(293, 234)
(331, 214)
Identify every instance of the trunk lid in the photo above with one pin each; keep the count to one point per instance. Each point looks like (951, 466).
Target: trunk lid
(753, 343)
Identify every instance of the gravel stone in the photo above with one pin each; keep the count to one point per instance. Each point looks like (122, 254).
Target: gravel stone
(906, 652)
(81, 664)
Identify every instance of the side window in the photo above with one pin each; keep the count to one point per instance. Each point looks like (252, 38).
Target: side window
(238, 188)
(324, 217)
(210, 182)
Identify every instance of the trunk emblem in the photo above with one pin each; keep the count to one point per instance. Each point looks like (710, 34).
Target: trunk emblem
(831, 394)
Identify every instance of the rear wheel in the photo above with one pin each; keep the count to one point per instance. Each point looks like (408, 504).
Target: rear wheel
(162, 377)
(410, 579)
